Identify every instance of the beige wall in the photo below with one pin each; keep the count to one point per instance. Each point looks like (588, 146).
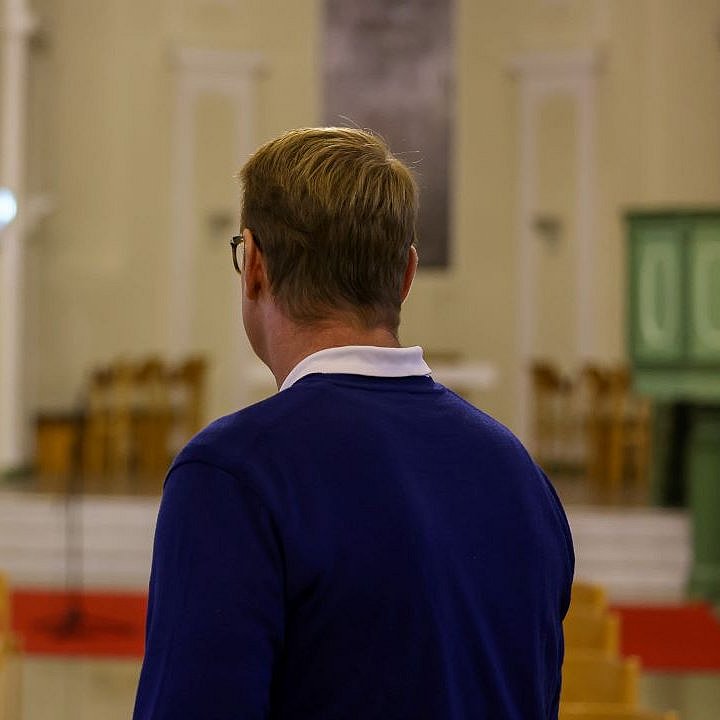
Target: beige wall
(658, 114)
(102, 99)
(103, 86)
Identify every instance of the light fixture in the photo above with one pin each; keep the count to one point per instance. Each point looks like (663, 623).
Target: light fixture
(8, 207)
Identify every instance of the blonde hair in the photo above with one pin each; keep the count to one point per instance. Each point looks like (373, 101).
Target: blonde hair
(334, 214)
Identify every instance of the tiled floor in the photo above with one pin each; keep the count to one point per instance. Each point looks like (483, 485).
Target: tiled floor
(695, 697)
(64, 689)
(56, 689)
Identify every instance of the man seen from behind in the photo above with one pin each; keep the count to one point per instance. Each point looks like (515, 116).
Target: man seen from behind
(365, 544)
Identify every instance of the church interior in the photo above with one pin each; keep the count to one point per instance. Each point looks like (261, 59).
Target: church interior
(568, 157)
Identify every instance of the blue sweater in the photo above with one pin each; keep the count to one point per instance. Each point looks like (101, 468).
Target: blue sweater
(356, 548)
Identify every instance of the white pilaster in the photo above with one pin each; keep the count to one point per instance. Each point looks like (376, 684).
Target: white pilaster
(585, 320)
(198, 72)
(541, 75)
(17, 26)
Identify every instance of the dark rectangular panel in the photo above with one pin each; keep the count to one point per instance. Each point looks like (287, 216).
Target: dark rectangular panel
(388, 66)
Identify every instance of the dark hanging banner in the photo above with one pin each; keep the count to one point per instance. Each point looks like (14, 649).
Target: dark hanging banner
(389, 67)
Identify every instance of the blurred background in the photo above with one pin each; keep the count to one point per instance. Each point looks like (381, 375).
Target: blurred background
(568, 153)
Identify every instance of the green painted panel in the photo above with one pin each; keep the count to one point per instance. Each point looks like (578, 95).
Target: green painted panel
(704, 291)
(656, 292)
(703, 472)
(700, 385)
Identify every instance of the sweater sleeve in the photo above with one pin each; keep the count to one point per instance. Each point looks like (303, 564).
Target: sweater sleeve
(215, 611)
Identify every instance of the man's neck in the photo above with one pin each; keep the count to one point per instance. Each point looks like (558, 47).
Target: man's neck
(292, 343)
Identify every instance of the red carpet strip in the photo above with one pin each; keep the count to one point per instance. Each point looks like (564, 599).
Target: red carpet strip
(95, 624)
(681, 638)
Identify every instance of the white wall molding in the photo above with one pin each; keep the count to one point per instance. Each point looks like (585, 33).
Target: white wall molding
(551, 67)
(207, 66)
(18, 24)
(541, 75)
(198, 72)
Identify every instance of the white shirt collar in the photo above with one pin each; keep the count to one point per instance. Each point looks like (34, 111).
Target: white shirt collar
(361, 360)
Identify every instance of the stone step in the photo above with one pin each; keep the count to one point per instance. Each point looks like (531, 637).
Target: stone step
(636, 554)
(641, 554)
(115, 537)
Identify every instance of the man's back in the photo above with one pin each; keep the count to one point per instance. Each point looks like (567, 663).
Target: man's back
(357, 547)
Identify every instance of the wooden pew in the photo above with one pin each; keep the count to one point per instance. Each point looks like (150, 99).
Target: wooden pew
(592, 632)
(593, 711)
(592, 678)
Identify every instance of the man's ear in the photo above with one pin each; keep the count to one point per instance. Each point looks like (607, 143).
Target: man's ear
(254, 270)
(410, 271)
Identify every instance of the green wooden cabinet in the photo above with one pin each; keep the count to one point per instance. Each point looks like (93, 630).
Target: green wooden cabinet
(674, 304)
(674, 347)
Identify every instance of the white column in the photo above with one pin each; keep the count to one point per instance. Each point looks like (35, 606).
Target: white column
(181, 241)
(17, 25)
(541, 75)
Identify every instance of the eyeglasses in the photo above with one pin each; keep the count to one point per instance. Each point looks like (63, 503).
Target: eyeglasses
(239, 240)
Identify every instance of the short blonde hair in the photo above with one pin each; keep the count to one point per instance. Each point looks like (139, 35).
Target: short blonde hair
(334, 214)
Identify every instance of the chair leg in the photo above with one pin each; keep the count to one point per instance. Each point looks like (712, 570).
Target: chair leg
(616, 447)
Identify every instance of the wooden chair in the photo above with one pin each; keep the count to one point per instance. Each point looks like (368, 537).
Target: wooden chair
(591, 678)
(618, 428)
(552, 415)
(629, 433)
(592, 632)
(593, 407)
(120, 422)
(151, 421)
(168, 410)
(187, 399)
(107, 440)
(95, 435)
(596, 711)
(137, 415)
